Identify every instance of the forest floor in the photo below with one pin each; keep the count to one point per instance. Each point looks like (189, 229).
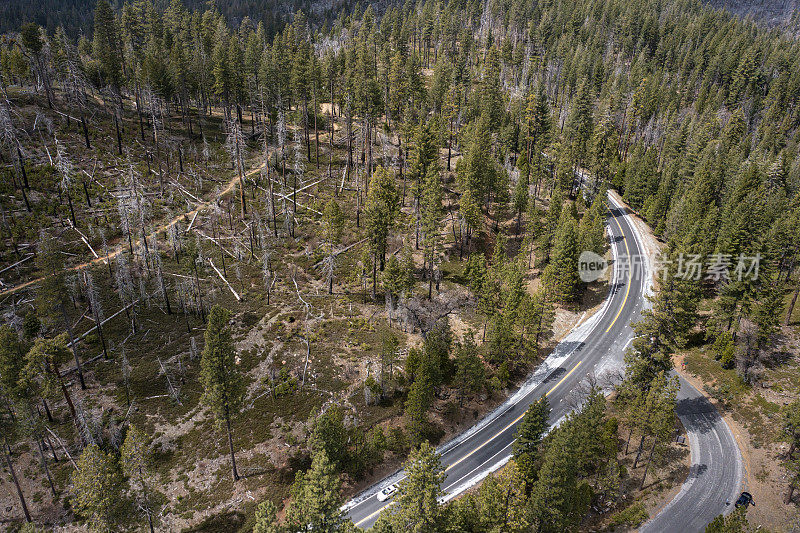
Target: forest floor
(191, 467)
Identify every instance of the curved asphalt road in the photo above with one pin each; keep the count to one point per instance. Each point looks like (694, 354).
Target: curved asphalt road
(592, 348)
(715, 474)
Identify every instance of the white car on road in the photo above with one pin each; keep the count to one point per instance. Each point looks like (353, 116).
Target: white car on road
(387, 493)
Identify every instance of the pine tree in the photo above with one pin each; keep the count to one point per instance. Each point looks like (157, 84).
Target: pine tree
(491, 93)
(135, 460)
(329, 434)
(23, 393)
(315, 504)
(34, 44)
(470, 370)
(561, 275)
(520, 200)
(12, 362)
(501, 501)
(96, 488)
(532, 429)
(477, 171)
(398, 87)
(471, 219)
(580, 124)
(659, 418)
(223, 387)
(551, 224)
(431, 223)
(397, 279)
(735, 522)
(592, 227)
(791, 435)
(266, 519)
(416, 504)
(381, 210)
(222, 85)
(603, 150)
(42, 377)
(475, 272)
(302, 72)
(52, 291)
(528, 438)
(423, 155)
(537, 319)
(537, 133)
(420, 398)
(106, 44)
(558, 500)
(333, 224)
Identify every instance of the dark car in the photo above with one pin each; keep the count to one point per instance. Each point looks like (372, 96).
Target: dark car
(745, 499)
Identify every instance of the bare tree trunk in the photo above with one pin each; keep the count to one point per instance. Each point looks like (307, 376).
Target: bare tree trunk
(639, 452)
(628, 441)
(22, 168)
(100, 334)
(138, 112)
(67, 396)
(791, 305)
(241, 177)
(71, 209)
(24, 184)
(119, 134)
(374, 275)
(163, 288)
(330, 142)
(199, 293)
(272, 201)
(52, 448)
(400, 168)
(649, 460)
(230, 444)
(305, 129)
(46, 469)
(449, 144)
(47, 412)
(316, 130)
(68, 327)
(7, 450)
(349, 120)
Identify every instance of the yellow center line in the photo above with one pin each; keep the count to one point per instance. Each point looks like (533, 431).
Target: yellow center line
(486, 442)
(358, 524)
(630, 273)
(562, 379)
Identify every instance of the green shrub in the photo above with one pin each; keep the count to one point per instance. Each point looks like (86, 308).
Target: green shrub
(633, 516)
(724, 350)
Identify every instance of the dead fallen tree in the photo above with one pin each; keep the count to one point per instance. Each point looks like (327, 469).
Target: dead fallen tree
(235, 294)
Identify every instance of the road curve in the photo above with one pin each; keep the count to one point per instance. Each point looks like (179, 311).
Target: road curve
(593, 348)
(716, 472)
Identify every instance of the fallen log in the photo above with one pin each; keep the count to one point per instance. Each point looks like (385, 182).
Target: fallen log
(235, 294)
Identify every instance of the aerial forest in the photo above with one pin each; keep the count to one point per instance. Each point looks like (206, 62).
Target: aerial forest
(251, 265)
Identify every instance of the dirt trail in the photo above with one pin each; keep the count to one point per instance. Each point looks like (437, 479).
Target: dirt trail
(160, 229)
